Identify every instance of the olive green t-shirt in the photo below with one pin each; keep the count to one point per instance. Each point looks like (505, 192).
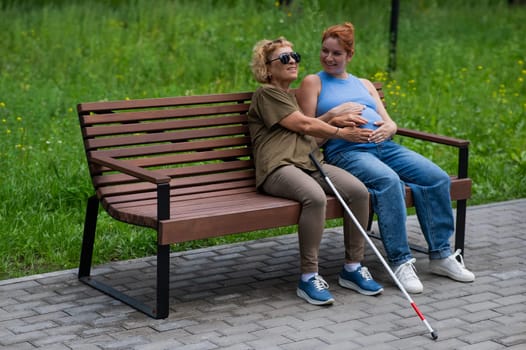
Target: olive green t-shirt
(274, 145)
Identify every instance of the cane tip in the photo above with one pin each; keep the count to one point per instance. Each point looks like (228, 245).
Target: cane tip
(434, 335)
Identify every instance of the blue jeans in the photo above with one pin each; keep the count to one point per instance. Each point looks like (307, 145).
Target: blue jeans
(384, 169)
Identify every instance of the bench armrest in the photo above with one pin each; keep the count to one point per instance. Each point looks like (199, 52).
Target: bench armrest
(445, 140)
(462, 145)
(130, 169)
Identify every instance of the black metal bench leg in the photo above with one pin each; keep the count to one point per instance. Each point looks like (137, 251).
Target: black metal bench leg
(163, 281)
(88, 239)
(161, 309)
(460, 225)
(463, 157)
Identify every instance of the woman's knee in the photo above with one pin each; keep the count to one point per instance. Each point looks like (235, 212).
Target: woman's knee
(359, 194)
(314, 197)
(388, 180)
(437, 176)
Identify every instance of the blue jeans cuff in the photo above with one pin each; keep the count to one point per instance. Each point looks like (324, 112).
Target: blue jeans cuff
(440, 254)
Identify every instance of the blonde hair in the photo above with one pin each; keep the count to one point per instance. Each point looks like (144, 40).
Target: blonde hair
(261, 54)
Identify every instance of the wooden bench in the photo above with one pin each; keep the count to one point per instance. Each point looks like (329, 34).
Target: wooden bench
(183, 167)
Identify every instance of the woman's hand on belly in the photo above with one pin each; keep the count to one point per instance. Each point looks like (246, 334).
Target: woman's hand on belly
(355, 134)
(384, 131)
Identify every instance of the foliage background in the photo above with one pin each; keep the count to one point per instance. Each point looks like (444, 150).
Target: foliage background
(460, 72)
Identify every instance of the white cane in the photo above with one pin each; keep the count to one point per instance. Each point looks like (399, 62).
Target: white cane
(434, 335)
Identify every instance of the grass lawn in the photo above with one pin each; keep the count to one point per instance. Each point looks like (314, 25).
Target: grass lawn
(460, 72)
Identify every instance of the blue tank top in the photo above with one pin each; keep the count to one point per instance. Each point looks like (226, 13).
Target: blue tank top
(334, 92)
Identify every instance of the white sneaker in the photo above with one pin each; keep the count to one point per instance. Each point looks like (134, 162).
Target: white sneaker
(406, 274)
(452, 268)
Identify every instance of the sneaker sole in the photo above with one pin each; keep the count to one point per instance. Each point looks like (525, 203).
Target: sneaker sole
(446, 273)
(350, 285)
(415, 290)
(306, 297)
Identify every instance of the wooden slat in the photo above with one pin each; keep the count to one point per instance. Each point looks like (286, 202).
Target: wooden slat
(102, 107)
(182, 158)
(201, 169)
(249, 214)
(179, 183)
(144, 139)
(162, 126)
(185, 193)
(152, 115)
(461, 189)
(171, 147)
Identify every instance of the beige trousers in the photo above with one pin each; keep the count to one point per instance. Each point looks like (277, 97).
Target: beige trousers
(310, 190)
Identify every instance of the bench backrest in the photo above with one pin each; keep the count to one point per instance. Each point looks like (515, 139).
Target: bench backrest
(199, 141)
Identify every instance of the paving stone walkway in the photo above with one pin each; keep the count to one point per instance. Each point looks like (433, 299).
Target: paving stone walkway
(242, 296)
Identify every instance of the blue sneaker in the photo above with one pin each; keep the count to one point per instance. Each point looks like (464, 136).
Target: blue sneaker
(315, 291)
(360, 281)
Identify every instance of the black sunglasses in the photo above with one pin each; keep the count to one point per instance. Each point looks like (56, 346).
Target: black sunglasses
(284, 57)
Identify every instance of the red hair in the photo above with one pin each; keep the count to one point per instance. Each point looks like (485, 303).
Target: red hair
(344, 33)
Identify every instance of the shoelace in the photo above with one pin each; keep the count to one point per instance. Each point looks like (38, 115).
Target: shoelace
(320, 284)
(454, 257)
(410, 272)
(364, 271)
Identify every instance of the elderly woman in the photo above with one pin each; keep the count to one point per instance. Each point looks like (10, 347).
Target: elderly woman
(283, 137)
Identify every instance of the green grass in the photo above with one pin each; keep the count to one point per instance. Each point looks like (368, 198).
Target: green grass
(460, 72)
